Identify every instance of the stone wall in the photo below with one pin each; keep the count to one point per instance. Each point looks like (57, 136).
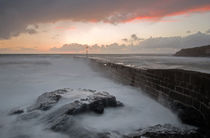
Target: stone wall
(187, 92)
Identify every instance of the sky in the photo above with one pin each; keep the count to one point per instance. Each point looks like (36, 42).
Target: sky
(105, 26)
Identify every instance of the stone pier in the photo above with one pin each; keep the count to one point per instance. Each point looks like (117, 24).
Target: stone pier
(187, 92)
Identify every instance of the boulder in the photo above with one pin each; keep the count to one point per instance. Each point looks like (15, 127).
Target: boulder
(58, 119)
(47, 100)
(58, 108)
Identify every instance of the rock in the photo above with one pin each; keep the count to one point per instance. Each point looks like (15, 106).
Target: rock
(47, 100)
(16, 111)
(57, 109)
(112, 134)
(60, 124)
(29, 115)
(119, 103)
(95, 101)
(189, 115)
(164, 131)
(98, 107)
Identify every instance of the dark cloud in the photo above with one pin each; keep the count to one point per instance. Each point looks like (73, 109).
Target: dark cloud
(134, 37)
(150, 45)
(16, 15)
(31, 31)
(133, 40)
(125, 40)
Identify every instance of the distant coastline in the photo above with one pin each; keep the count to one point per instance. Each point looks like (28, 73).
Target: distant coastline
(202, 51)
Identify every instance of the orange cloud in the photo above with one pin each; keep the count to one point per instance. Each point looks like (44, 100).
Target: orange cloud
(193, 10)
(157, 16)
(15, 17)
(93, 20)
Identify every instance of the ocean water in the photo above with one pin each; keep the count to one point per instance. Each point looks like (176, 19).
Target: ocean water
(24, 77)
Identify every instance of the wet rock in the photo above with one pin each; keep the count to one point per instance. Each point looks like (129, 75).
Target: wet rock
(16, 111)
(165, 131)
(29, 115)
(104, 135)
(97, 107)
(57, 109)
(119, 103)
(111, 134)
(60, 124)
(189, 115)
(47, 100)
(58, 119)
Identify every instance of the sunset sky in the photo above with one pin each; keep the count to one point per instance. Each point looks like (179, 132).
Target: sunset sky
(106, 26)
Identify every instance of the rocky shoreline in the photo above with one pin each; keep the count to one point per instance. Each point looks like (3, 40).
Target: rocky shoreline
(60, 118)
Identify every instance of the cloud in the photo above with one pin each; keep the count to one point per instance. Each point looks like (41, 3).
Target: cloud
(174, 43)
(133, 40)
(79, 48)
(72, 48)
(30, 31)
(150, 45)
(188, 32)
(125, 40)
(134, 37)
(16, 15)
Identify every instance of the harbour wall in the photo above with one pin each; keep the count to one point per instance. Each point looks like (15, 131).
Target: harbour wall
(186, 92)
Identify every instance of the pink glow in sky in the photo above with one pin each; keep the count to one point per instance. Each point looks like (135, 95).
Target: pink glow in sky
(38, 25)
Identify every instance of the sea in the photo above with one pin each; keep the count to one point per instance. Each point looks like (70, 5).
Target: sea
(24, 77)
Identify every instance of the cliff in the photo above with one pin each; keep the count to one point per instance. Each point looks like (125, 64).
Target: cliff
(203, 51)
